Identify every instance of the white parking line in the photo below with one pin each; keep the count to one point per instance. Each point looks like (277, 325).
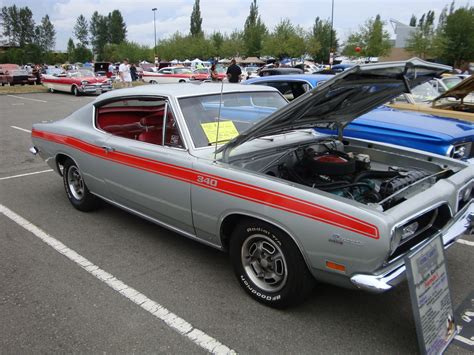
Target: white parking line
(172, 320)
(26, 98)
(465, 242)
(26, 174)
(21, 129)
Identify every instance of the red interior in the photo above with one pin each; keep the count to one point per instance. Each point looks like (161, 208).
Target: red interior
(143, 123)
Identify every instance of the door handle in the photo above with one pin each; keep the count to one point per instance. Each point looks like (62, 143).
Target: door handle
(108, 149)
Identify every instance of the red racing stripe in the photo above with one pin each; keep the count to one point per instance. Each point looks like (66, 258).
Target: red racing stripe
(223, 185)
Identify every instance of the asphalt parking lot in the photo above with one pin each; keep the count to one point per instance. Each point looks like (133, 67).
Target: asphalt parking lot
(49, 303)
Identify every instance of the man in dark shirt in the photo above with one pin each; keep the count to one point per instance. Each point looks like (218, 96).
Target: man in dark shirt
(233, 72)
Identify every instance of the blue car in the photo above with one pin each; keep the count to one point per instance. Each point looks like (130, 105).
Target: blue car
(439, 135)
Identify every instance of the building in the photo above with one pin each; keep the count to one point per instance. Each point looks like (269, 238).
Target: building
(402, 34)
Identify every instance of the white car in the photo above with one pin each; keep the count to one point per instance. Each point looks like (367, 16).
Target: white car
(168, 75)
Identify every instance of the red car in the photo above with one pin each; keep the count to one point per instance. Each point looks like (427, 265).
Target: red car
(12, 74)
(205, 74)
(77, 82)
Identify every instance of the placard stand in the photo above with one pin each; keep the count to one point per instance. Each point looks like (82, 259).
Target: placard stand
(430, 297)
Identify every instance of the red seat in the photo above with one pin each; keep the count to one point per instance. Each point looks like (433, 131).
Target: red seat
(154, 136)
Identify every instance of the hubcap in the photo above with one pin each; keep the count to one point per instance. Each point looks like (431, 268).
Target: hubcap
(75, 183)
(264, 262)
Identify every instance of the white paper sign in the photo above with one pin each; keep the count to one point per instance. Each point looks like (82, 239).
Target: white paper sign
(430, 297)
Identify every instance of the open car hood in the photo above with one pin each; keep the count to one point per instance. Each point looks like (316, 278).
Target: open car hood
(460, 91)
(343, 98)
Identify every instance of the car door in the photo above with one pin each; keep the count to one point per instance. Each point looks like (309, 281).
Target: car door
(147, 160)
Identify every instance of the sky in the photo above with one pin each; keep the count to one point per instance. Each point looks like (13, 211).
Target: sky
(223, 15)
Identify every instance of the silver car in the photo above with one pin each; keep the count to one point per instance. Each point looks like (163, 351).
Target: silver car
(217, 163)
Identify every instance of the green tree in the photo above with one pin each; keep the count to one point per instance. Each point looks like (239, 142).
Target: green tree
(285, 41)
(196, 20)
(45, 34)
(233, 44)
(99, 34)
(217, 40)
(422, 41)
(10, 24)
(82, 54)
(456, 36)
(26, 26)
(373, 40)
(254, 31)
(133, 51)
(319, 40)
(117, 27)
(70, 50)
(413, 21)
(81, 31)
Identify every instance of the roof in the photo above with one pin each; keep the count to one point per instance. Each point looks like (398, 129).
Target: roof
(311, 78)
(183, 90)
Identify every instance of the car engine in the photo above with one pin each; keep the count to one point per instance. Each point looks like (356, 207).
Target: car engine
(325, 166)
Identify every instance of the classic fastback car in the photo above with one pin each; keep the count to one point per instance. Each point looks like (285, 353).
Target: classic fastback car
(77, 82)
(289, 204)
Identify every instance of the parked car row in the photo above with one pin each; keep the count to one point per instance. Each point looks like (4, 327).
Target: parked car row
(238, 168)
(436, 134)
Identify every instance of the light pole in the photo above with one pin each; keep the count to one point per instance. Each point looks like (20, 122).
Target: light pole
(154, 26)
(330, 42)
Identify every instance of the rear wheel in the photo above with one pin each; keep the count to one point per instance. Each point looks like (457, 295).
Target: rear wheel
(153, 82)
(182, 81)
(269, 265)
(76, 189)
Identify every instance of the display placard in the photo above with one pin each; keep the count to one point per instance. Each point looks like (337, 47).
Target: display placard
(430, 297)
(226, 130)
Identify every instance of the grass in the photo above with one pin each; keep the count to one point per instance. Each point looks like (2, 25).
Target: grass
(22, 89)
(119, 85)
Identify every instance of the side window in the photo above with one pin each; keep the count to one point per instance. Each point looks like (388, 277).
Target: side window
(284, 87)
(140, 119)
(165, 71)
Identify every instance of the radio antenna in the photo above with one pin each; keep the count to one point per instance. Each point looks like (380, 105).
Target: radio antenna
(218, 119)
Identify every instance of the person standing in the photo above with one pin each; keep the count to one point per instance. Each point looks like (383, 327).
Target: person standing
(214, 74)
(133, 72)
(234, 72)
(124, 73)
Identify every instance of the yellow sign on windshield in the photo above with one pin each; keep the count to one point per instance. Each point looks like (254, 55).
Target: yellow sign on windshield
(227, 131)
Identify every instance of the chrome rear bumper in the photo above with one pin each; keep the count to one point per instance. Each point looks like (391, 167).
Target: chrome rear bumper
(392, 275)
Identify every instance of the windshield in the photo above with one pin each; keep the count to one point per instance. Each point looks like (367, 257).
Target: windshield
(80, 74)
(238, 112)
(451, 82)
(424, 93)
(19, 72)
(183, 71)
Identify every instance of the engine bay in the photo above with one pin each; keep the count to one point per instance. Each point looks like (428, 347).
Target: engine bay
(355, 175)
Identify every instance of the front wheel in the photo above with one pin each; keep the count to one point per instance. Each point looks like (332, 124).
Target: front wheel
(269, 265)
(76, 189)
(153, 82)
(75, 91)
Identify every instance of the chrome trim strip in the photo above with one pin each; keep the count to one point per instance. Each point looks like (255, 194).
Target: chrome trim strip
(388, 278)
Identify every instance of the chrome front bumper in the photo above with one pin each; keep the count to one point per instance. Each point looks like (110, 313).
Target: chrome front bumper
(392, 275)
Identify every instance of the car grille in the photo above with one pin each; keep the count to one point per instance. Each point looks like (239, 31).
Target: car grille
(429, 223)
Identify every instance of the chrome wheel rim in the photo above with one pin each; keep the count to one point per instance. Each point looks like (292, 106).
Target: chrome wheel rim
(264, 263)
(75, 183)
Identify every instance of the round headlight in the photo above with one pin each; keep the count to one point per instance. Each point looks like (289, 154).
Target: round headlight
(466, 194)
